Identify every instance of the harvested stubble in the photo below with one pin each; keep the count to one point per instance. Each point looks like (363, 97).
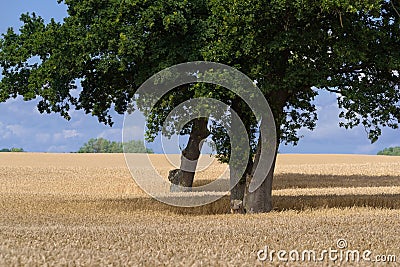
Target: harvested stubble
(74, 209)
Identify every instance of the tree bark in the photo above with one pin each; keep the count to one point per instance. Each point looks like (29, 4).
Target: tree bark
(260, 200)
(191, 153)
(238, 190)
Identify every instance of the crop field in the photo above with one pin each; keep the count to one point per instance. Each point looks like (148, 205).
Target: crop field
(86, 210)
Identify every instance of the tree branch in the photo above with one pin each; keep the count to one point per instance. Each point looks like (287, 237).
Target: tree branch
(395, 9)
(334, 91)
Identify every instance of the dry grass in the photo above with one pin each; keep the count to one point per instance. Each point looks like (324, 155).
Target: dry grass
(74, 209)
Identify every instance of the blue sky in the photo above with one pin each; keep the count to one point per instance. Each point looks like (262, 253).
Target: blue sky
(21, 125)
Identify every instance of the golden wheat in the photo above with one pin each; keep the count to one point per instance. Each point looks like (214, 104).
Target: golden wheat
(86, 210)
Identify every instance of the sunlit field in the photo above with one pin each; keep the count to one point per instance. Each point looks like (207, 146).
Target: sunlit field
(85, 209)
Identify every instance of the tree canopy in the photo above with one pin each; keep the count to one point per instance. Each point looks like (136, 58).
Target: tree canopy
(292, 49)
(111, 47)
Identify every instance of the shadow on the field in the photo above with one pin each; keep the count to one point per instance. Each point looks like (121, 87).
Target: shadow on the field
(131, 204)
(296, 180)
(304, 202)
(300, 202)
(281, 203)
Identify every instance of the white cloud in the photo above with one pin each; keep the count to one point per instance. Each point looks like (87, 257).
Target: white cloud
(17, 130)
(70, 133)
(4, 132)
(76, 123)
(65, 134)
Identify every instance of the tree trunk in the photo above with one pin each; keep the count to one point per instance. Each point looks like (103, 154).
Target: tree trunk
(238, 184)
(238, 190)
(191, 153)
(260, 200)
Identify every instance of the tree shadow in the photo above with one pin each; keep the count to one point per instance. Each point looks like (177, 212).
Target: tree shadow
(297, 180)
(147, 204)
(281, 202)
(304, 202)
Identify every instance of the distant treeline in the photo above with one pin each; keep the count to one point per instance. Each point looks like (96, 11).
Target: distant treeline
(390, 151)
(101, 145)
(13, 149)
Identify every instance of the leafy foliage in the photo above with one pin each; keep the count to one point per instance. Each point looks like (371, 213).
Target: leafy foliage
(110, 46)
(295, 48)
(101, 145)
(390, 151)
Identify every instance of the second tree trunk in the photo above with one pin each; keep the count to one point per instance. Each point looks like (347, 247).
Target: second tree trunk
(192, 151)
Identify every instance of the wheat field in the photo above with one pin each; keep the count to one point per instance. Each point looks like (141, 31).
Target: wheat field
(86, 210)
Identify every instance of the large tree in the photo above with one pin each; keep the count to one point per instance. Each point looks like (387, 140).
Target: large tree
(292, 49)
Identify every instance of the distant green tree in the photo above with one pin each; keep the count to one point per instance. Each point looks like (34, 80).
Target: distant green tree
(115, 147)
(390, 151)
(137, 146)
(101, 145)
(14, 149)
(95, 145)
